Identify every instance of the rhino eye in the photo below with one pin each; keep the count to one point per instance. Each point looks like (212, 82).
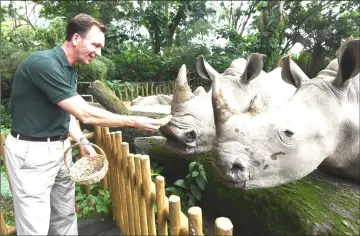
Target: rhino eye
(288, 133)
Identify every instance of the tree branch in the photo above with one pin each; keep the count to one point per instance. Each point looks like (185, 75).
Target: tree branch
(175, 23)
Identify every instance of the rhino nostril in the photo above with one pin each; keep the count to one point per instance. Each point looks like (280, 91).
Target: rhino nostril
(190, 136)
(238, 166)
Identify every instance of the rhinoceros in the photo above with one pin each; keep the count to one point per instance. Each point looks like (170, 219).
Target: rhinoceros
(318, 126)
(191, 130)
(160, 99)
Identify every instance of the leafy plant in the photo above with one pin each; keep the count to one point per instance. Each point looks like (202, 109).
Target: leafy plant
(190, 189)
(99, 200)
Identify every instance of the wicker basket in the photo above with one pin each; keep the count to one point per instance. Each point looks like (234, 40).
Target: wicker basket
(86, 170)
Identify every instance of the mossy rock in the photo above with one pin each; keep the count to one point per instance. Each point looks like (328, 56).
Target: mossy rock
(318, 204)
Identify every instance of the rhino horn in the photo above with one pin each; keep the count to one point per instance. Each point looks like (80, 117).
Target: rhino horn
(223, 106)
(182, 91)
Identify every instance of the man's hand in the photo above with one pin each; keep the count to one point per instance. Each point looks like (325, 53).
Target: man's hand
(86, 150)
(149, 124)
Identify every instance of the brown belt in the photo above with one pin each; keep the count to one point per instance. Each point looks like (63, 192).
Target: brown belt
(41, 139)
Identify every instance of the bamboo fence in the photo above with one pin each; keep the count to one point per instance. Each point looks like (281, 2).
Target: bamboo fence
(135, 195)
(130, 92)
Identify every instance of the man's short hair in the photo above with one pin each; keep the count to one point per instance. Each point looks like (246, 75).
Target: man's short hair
(81, 24)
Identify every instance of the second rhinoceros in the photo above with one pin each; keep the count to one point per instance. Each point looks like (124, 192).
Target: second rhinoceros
(319, 125)
(191, 130)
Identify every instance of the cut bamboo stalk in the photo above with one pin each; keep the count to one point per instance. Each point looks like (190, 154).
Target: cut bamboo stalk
(162, 205)
(141, 196)
(134, 187)
(195, 221)
(105, 144)
(147, 89)
(125, 149)
(126, 94)
(114, 182)
(137, 90)
(142, 91)
(152, 88)
(223, 226)
(174, 214)
(120, 94)
(146, 175)
(132, 92)
(122, 210)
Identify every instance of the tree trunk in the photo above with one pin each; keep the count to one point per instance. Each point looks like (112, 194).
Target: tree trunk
(317, 204)
(107, 98)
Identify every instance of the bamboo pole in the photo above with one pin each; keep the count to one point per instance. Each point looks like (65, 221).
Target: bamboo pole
(195, 221)
(120, 94)
(223, 226)
(152, 89)
(113, 179)
(142, 91)
(126, 94)
(174, 215)
(157, 89)
(141, 196)
(123, 202)
(147, 183)
(134, 187)
(125, 149)
(105, 144)
(162, 205)
(137, 90)
(147, 89)
(132, 92)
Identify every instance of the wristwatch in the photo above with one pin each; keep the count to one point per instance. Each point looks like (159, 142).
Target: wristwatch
(83, 140)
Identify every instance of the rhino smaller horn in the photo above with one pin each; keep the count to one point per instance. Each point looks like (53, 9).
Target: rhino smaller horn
(221, 105)
(182, 91)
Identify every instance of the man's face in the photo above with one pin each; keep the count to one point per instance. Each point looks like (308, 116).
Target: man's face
(86, 48)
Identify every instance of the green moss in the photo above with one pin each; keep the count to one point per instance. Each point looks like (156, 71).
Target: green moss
(313, 205)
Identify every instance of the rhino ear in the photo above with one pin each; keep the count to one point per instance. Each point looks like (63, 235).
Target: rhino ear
(200, 91)
(291, 73)
(349, 62)
(205, 70)
(253, 67)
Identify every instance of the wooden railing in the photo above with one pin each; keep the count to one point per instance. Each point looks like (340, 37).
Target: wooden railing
(134, 194)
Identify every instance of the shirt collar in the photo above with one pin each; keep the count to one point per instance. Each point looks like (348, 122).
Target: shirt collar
(60, 51)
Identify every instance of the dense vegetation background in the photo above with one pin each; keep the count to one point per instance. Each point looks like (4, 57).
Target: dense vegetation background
(150, 40)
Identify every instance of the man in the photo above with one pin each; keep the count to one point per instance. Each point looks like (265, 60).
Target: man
(44, 104)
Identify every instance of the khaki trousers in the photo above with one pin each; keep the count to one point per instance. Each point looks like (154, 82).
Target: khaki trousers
(43, 193)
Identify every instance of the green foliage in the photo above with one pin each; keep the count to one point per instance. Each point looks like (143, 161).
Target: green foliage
(12, 55)
(99, 200)
(190, 189)
(5, 118)
(100, 68)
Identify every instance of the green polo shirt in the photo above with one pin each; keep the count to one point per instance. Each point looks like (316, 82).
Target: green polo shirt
(41, 81)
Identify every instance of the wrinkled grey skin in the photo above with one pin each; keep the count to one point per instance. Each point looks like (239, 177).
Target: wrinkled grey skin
(191, 130)
(318, 125)
(152, 100)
